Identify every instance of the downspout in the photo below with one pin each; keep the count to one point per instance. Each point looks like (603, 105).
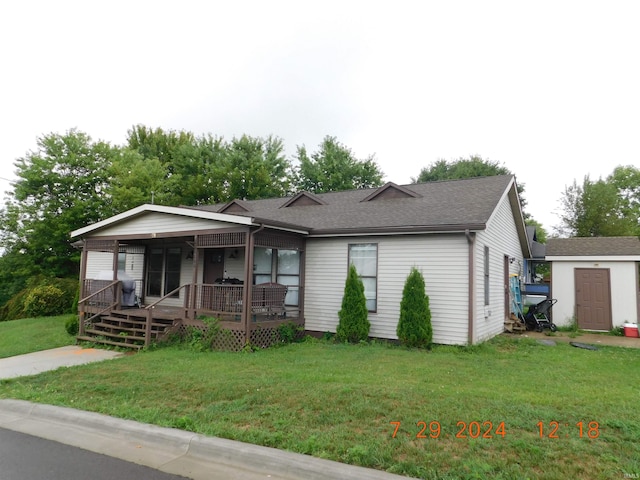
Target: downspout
(247, 291)
(471, 240)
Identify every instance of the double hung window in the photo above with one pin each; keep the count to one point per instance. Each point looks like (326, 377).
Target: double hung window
(365, 258)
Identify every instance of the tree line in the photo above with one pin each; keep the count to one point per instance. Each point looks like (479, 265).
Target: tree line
(70, 181)
(607, 207)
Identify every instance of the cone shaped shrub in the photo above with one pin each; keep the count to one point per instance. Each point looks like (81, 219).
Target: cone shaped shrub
(414, 326)
(354, 318)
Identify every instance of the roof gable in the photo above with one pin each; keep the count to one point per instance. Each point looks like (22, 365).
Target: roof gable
(303, 199)
(235, 206)
(391, 190)
(145, 210)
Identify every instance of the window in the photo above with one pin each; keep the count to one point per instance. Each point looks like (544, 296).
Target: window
(288, 273)
(365, 258)
(262, 265)
(486, 276)
(122, 261)
(285, 264)
(163, 270)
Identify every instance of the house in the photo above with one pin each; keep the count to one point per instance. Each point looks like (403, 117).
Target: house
(232, 260)
(595, 280)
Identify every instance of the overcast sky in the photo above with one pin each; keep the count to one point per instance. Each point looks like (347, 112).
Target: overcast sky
(550, 89)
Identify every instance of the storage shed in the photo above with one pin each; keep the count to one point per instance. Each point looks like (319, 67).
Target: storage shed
(595, 280)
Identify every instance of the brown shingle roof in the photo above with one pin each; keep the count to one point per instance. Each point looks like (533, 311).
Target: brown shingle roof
(593, 246)
(446, 205)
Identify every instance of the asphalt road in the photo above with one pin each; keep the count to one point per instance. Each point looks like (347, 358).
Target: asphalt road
(25, 457)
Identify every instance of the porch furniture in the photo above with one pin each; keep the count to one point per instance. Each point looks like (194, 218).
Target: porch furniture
(268, 298)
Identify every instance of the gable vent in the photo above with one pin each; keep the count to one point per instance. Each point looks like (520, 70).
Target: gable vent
(303, 199)
(391, 190)
(235, 206)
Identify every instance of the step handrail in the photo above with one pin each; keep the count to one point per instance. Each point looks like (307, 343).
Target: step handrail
(81, 304)
(84, 300)
(149, 309)
(170, 294)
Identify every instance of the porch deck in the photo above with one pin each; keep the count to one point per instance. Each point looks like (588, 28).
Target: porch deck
(105, 320)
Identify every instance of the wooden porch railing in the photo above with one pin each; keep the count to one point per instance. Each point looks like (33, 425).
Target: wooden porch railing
(223, 301)
(97, 303)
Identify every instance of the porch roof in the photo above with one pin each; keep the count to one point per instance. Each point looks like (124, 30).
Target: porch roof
(179, 211)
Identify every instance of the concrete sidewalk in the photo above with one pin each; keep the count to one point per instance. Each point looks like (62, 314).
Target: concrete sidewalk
(38, 362)
(170, 450)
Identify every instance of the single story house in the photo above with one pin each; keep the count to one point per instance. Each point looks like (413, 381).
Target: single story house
(255, 264)
(595, 280)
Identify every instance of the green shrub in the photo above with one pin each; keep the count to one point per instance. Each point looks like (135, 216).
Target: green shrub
(16, 307)
(353, 325)
(201, 339)
(71, 325)
(45, 301)
(414, 326)
(289, 332)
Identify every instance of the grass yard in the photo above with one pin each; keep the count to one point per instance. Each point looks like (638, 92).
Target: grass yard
(33, 334)
(344, 402)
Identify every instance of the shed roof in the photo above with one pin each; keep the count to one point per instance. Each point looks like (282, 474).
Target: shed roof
(593, 246)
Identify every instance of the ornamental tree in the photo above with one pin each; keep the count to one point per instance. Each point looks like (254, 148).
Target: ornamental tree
(353, 325)
(414, 326)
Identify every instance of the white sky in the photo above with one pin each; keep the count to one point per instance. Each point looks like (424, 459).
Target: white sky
(550, 89)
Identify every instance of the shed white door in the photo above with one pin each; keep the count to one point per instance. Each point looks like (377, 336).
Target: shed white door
(593, 298)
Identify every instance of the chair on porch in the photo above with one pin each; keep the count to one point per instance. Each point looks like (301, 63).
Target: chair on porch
(268, 299)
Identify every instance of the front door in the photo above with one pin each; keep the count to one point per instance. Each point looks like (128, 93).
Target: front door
(593, 298)
(213, 270)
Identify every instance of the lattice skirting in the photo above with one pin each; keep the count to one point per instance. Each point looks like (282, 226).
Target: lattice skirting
(234, 340)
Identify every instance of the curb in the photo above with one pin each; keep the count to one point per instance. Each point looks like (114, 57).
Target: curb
(171, 450)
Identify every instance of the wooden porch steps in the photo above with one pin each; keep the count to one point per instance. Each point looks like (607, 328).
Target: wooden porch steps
(122, 329)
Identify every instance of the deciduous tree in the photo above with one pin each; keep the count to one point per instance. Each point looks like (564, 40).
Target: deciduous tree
(60, 188)
(595, 209)
(334, 167)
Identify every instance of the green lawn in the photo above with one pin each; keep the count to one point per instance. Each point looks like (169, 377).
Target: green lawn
(339, 402)
(33, 334)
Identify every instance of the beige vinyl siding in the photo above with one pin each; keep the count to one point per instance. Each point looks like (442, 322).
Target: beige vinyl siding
(154, 222)
(501, 237)
(103, 261)
(98, 262)
(622, 276)
(442, 259)
(326, 272)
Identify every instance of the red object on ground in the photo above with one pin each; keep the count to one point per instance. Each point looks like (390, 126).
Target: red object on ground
(631, 331)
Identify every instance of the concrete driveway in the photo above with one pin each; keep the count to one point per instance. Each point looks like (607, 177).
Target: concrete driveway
(37, 362)
(595, 339)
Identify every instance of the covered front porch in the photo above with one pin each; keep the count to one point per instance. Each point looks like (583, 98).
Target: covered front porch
(251, 279)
